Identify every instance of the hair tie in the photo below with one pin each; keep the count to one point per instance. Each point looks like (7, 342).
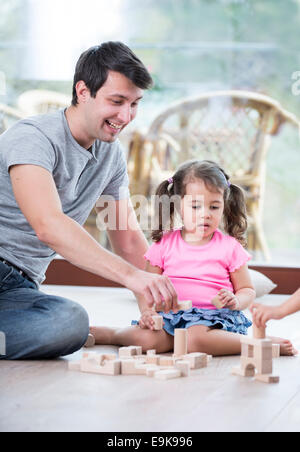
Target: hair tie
(171, 180)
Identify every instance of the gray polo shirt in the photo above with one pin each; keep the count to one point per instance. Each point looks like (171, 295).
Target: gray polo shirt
(80, 176)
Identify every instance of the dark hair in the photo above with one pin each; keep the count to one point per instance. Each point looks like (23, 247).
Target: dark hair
(94, 64)
(235, 215)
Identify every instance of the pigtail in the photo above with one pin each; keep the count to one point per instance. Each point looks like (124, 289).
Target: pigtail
(162, 206)
(235, 214)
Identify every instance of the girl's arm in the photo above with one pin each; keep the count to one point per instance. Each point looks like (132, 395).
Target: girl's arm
(244, 293)
(261, 314)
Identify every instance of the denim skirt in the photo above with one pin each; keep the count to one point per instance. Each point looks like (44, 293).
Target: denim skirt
(223, 319)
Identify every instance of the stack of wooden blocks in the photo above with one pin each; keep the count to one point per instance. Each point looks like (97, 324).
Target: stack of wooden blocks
(257, 357)
(131, 361)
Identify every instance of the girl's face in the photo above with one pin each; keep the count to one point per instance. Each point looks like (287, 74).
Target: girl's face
(201, 209)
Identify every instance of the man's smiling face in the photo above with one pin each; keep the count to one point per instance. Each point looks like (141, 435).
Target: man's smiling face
(113, 108)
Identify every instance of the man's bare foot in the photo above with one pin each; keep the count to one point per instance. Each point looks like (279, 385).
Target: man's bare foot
(286, 347)
(103, 335)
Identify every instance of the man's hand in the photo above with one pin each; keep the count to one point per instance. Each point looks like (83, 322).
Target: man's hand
(154, 289)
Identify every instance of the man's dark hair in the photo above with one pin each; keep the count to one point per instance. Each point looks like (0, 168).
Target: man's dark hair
(94, 64)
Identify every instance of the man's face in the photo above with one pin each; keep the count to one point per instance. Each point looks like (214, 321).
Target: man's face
(113, 108)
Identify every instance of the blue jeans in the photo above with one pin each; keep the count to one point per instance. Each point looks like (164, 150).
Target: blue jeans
(34, 325)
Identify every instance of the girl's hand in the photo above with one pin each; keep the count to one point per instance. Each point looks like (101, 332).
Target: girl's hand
(229, 300)
(261, 314)
(146, 321)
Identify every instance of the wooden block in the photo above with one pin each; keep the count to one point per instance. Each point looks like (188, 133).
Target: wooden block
(263, 353)
(185, 305)
(196, 360)
(256, 342)
(151, 352)
(259, 333)
(158, 322)
(128, 367)
(267, 378)
(151, 370)
(217, 302)
(247, 372)
(275, 350)
(153, 359)
(166, 361)
(180, 342)
(109, 368)
(167, 374)
(74, 365)
(136, 349)
(184, 367)
(90, 341)
(262, 366)
(127, 351)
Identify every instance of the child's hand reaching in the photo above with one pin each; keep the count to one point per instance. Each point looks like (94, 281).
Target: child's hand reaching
(229, 300)
(261, 314)
(146, 320)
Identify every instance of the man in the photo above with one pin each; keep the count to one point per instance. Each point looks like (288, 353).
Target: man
(53, 169)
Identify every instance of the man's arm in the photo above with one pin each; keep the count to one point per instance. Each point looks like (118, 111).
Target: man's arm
(38, 199)
(125, 235)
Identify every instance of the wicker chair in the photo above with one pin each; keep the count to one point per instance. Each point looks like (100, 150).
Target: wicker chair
(37, 102)
(8, 116)
(232, 128)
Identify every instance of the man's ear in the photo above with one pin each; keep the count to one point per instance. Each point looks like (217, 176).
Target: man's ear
(82, 91)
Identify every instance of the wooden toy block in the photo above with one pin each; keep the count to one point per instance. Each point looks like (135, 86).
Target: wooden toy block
(267, 378)
(276, 350)
(185, 305)
(255, 342)
(151, 371)
(167, 374)
(142, 369)
(153, 359)
(128, 367)
(217, 302)
(151, 352)
(196, 360)
(130, 351)
(111, 367)
(246, 372)
(90, 341)
(167, 361)
(262, 366)
(180, 342)
(259, 333)
(158, 322)
(184, 367)
(137, 350)
(257, 357)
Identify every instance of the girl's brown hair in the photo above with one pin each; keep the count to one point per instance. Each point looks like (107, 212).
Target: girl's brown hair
(235, 214)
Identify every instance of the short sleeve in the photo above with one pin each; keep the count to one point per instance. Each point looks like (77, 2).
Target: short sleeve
(154, 255)
(24, 144)
(239, 257)
(119, 183)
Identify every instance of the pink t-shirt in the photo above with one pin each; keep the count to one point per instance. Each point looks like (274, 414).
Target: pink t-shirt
(198, 272)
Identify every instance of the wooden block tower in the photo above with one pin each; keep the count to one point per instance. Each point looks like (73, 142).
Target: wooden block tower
(257, 357)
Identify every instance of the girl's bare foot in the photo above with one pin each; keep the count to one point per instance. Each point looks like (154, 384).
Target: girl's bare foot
(103, 335)
(286, 347)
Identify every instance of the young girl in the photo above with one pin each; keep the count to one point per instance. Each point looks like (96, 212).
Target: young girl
(202, 262)
(261, 314)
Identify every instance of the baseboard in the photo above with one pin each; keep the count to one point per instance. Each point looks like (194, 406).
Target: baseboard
(61, 272)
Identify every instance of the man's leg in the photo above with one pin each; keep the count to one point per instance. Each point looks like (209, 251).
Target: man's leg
(40, 326)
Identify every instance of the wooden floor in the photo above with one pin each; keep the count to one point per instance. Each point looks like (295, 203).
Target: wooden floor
(46, 396)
